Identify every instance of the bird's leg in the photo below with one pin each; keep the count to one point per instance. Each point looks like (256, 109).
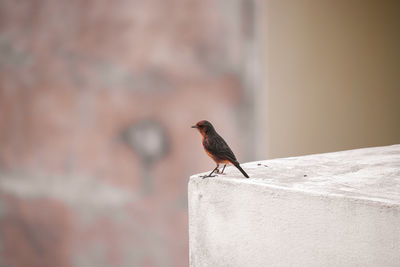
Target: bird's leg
(223, 169)
(217, 170)
(210, 175)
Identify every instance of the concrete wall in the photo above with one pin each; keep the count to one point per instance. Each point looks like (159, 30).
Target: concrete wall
(337, 209)
(332, 75)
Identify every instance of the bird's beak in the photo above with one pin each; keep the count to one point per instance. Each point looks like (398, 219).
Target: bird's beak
(194, 126)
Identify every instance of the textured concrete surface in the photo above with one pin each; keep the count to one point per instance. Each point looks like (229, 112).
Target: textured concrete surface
(335, 209)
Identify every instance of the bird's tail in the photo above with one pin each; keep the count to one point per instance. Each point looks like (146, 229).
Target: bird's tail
(237, 165)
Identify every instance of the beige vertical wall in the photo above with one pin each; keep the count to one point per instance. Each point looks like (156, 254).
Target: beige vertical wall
(332, 78)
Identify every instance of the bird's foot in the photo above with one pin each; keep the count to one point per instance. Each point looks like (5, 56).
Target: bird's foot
(207, 176)
(220, 172)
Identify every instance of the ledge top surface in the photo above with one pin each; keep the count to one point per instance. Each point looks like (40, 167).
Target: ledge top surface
(369, 174)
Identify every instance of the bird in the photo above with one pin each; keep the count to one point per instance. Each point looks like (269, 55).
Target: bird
(216, 147)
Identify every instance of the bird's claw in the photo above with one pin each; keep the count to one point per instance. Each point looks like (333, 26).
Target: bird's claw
(207, 176)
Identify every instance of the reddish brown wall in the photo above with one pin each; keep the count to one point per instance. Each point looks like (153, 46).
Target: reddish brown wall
(74, 75)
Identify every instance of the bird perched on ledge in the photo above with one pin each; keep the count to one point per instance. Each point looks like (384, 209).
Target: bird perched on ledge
(216, 147)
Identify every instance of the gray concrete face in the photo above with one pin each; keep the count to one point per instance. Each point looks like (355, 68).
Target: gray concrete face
(336, 209)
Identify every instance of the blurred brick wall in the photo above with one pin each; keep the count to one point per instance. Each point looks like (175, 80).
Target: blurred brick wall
(74, 75)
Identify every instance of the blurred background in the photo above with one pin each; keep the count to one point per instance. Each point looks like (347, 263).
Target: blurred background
(97, 99)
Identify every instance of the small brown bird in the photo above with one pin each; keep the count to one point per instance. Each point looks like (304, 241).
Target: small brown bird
(216, 147)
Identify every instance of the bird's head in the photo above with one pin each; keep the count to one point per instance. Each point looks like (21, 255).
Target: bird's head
(204, 127)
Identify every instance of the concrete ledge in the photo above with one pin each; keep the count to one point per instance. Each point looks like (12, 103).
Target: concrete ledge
(335, 209)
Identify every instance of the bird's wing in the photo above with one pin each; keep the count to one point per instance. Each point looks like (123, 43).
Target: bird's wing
(219, 148)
